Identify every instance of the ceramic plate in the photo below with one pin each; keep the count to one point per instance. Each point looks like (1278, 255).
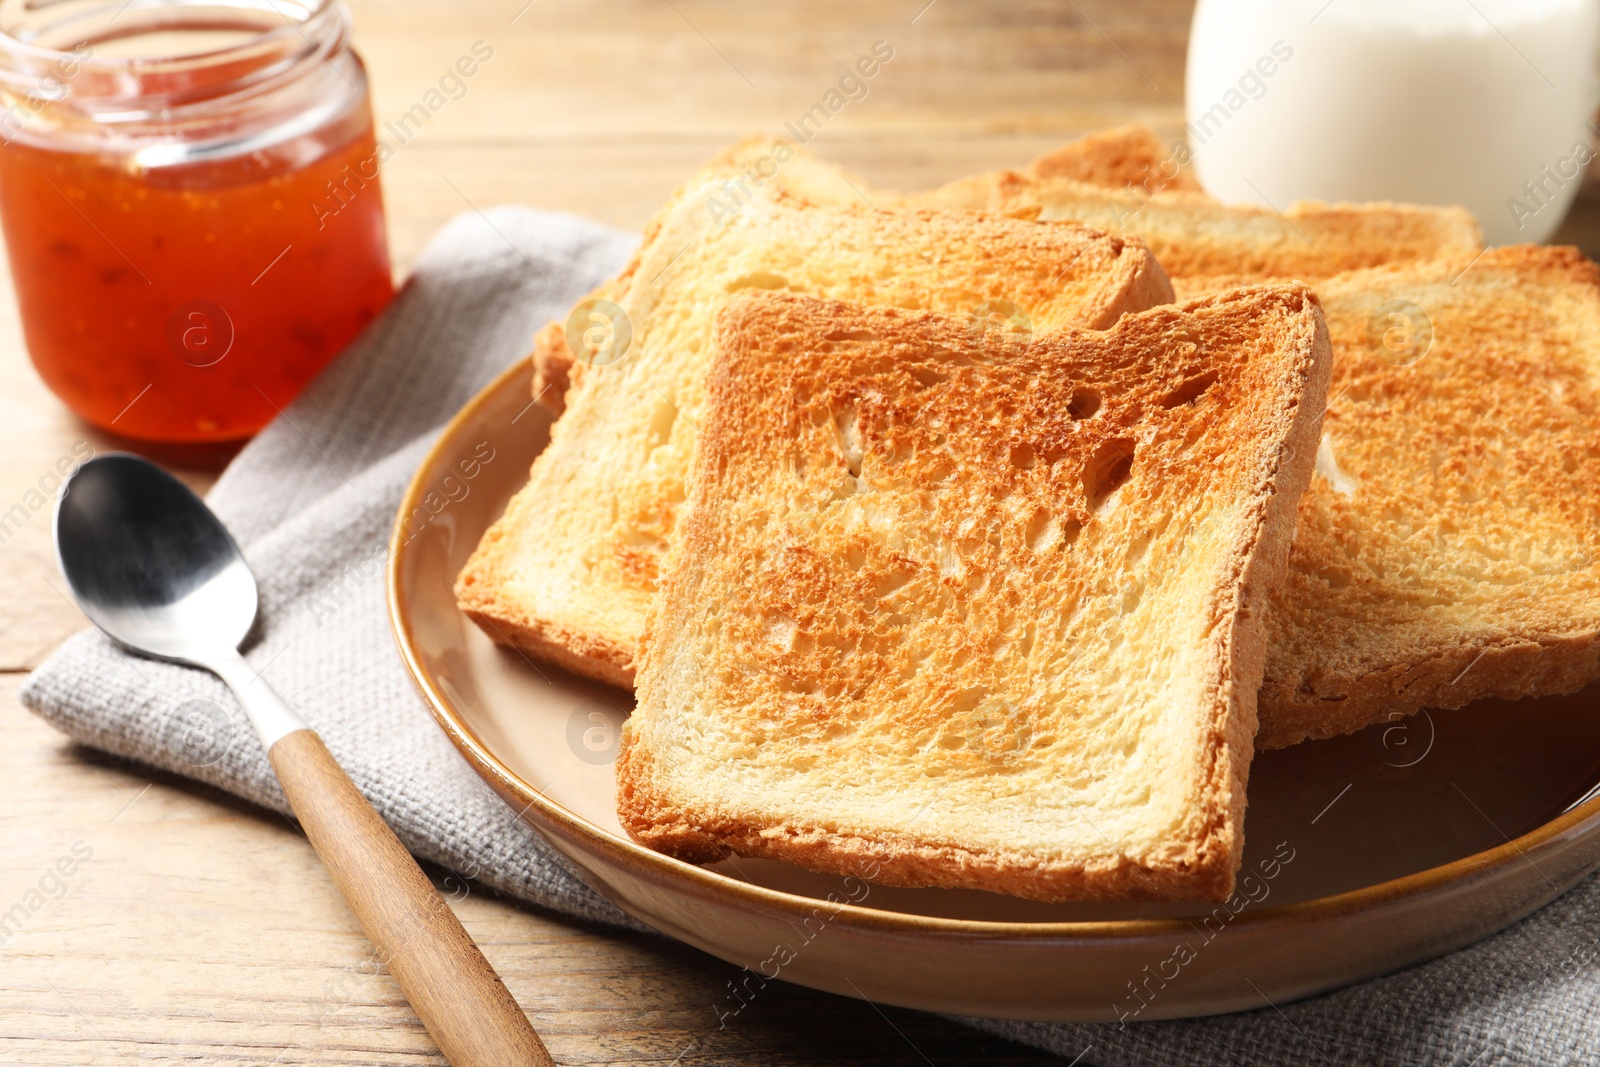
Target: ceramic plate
(1365, 854)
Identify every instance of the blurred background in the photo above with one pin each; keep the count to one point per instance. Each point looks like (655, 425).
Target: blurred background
(602, 108)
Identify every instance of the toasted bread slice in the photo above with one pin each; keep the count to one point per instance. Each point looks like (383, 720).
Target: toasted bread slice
(951, 610)
(1193, 235)
(1449, 548)
(1121, 156)
(1126, 155)
(568, 571)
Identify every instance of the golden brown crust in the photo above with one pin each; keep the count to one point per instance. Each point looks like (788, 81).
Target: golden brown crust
(1121, 156)
(1147, 286)
(552, 365)
(789, 642)
(564, 648)
(479, 592)
(1459, 555)
(1508, 670)
(1193, 236)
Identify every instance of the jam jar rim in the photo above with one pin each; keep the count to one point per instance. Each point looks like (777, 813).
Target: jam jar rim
(115, 89)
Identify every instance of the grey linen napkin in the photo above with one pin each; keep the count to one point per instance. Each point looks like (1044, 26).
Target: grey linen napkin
(311, 500)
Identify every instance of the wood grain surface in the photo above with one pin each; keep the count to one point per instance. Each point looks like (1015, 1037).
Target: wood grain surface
(167, 923)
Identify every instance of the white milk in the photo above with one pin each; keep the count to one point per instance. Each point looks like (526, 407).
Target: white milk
(1483, 103)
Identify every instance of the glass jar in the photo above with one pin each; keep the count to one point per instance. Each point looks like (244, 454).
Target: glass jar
(191, 205)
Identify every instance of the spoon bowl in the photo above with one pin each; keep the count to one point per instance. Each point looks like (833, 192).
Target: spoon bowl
(150, 564)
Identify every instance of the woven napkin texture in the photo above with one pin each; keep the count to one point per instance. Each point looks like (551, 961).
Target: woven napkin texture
(312, 499)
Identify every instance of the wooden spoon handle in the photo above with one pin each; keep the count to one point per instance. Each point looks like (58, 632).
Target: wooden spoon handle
(457, 995)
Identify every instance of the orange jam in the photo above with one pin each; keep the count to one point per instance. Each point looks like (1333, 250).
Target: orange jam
(194, 236)
(194, 306)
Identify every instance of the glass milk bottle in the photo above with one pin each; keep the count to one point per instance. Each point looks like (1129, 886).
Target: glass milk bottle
(1486, 104)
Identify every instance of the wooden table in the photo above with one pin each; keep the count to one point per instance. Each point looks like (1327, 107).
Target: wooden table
(203, 930)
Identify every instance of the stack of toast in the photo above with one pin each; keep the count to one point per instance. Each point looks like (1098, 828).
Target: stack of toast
(977, 538)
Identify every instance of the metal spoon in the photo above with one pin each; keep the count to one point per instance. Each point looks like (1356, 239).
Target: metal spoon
(152, 567)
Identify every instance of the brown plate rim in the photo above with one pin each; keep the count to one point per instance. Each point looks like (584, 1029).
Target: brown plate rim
(706, 882)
